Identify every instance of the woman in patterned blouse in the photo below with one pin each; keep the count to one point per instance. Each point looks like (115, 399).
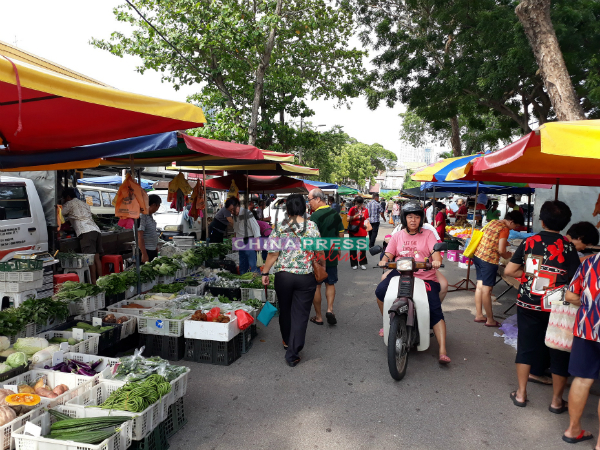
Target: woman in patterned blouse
(295, 283)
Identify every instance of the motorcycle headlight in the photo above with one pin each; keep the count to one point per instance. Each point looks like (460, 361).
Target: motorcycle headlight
(404, 264)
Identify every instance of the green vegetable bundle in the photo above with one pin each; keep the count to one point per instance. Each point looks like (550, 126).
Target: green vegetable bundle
(71, 290)
(113, 283)
(91, 430)
(172, 288)
(138, 395)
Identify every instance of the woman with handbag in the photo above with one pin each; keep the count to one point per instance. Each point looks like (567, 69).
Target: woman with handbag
(295, 276)
(545, 263)
(357, 217)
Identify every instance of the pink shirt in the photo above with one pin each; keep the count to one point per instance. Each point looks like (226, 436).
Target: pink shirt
(418, 246)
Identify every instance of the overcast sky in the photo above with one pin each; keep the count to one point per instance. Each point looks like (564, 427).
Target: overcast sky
(60, 31)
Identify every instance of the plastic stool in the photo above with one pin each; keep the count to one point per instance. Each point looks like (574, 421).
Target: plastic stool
(61, 278)
(83, 274)
(115, 260)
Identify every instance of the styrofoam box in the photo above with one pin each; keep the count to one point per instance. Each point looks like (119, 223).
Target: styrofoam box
(119, 441)
(128, 327)
(143, 422)
(211, 331)
(163, 327)
(7, 430)
(89, 345)
(77, 384)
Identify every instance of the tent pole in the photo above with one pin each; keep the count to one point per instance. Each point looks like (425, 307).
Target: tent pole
(529, 212)
(136, 251)
(205, 205)
(557, 186)
(433, 206)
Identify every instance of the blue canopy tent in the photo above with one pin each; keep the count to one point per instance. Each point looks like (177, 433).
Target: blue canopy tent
(113, 180)
(471, 187)
(320, 184)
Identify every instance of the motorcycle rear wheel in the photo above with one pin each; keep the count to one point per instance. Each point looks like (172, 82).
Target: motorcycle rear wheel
(398, 347)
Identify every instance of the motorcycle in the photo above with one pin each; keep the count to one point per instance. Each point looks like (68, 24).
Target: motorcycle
(406, 323)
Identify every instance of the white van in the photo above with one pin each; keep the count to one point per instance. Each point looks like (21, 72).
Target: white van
(22, 220)
(99, 199)
(170, 222)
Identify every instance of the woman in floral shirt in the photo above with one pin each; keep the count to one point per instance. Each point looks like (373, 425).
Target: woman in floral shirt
(295, 283)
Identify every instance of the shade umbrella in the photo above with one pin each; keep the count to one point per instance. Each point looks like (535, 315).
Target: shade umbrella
(45, 109)
(262, 184)
(438, 171)
(266, 167)
(345, 190)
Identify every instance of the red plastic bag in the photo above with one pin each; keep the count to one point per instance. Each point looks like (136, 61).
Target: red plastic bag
(213, 314)
(244, 319)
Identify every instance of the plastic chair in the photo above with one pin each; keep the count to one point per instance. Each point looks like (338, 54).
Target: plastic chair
(116, 261)
(84, 274)
(62, 277)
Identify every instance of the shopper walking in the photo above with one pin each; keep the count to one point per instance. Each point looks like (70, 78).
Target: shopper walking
(295, 282)
(585, 352)
(376, 212)
(246, 226)
(396, 212)
(330, 225)
(543, 262)
(356, 228)
(147, 233)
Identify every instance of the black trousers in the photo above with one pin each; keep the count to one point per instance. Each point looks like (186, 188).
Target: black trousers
(360, 259)
(373, 233)
(295, 294)
(152, 254)
(215, 235)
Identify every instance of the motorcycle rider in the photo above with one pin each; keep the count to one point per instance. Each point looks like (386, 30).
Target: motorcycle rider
(417, 242)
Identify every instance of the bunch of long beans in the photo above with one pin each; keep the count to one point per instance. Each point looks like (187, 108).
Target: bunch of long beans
(138, 395)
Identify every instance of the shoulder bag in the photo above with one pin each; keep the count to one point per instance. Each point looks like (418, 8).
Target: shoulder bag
(559, 334)
(318, 270)
(474, 242)
(353, 228)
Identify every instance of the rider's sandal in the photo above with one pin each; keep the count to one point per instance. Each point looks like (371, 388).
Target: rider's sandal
(444, 359)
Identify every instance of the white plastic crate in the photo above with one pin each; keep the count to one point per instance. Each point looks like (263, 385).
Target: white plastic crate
(48, 279)
(52, 322)
(89, 345)
(163, 327)
(143, 422)
(166, 279)
(104, 369)
(148, 305)
(196, 290)
(100, 300)
(83, 305)
(121, 440)
(21, 286)
(29, 331)
(7, 430)
(31, 276)
(127, 328)
(77, 261)
(77, 384)
(212, 331)
(131, 292)
(16, 298)
(259, 294)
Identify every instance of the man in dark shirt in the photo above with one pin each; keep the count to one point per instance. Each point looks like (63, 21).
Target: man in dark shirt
(330, 225)
(542, 262)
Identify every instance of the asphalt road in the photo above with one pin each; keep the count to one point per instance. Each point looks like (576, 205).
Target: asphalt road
(341, 395)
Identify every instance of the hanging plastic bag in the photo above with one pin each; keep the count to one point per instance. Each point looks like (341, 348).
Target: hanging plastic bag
(178, 183)
(213, 314)
(244, 319)
(266, 314)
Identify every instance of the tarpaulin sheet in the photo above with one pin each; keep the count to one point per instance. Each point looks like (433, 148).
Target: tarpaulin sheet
(260, 184)
(112, 180)
(470, 187)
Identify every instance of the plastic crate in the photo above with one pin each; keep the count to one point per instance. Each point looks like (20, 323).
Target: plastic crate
(147, 304)
(163, 327)
(166, 279)
(156, 440)
(16, 298)
(13, 372)
(230, 293)
(6, 430)
(50, 324)
(100, 300)
(83, 305)
(167, 347)
(221, 264)
(121, 440)
(143, 422)
(32, 276)
(175, 419)
(244, 341)
(77, 384)
(107, 339)
(212, 352)
(259, 294)
(127, 328)
(130, 292)
(106, 363)
(77, 261)
(89, 345)
(21, 264)
(20, 286)
(29, 331)
(253, 331)
(114, 298)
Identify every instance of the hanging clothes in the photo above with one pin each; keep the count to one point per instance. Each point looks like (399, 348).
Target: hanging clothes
(197, 201)
(233, 190)
(59, 217)
(131, 200)
(178, 183)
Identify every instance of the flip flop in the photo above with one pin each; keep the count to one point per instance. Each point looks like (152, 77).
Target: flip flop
(562, 409)
(582, 437)
(444, 359)
(480, 321)
(381, 332)
(331, 320)
(314, 320)
(535, 380)
(513, 396)
(496, 325)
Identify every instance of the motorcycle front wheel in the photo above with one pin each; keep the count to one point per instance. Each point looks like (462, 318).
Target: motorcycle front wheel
(398, 346)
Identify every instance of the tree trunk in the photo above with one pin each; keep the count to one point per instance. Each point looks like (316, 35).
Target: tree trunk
(534, 15)
(455, 138)
(259, 83)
